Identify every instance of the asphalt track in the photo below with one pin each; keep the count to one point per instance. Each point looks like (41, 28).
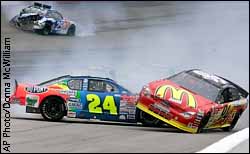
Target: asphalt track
(133, 43)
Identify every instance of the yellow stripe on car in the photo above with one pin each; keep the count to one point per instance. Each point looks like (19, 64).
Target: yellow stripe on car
(64, 87)
(171, 122)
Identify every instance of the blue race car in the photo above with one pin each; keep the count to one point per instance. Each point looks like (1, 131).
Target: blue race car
(83, 97)
(41, 19)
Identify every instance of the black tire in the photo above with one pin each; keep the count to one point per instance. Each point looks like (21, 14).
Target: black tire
(230, 128)
(71, 31)
(53, 109)
(148, 120)
(203, 123)
(47, 29)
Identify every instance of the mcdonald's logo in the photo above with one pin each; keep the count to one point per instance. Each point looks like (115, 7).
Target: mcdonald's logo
(176, 95)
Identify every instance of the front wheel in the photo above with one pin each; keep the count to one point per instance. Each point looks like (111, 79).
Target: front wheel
(52, 109)
(148, 120)
(47, 29)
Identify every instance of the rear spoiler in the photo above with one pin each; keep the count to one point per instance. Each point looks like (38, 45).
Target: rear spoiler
(243, 92)
(42, 5)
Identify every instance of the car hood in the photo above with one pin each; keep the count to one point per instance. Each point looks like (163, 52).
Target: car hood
(180, 96)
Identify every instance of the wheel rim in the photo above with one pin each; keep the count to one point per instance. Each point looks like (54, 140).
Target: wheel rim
(52, 109)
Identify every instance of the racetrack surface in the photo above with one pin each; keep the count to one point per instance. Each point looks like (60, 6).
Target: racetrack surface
(133, 43)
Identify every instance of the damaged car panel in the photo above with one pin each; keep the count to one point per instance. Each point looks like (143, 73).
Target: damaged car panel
(40, 18)
(194, 100)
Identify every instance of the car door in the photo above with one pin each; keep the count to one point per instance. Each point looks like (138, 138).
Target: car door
(225, 110)
(101, 100)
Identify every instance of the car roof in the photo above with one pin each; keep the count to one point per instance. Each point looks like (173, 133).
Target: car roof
(224, 84)
(212, 78)
(89, 77)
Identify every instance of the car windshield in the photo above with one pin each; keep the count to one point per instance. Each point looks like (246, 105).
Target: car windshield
(197, 84)
(53, 81)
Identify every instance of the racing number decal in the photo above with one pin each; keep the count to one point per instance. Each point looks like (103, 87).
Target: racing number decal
(176, 95)
(108, 104)
(94, 101)
(226, 110)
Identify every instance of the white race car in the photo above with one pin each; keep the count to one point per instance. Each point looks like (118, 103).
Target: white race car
(41, 19)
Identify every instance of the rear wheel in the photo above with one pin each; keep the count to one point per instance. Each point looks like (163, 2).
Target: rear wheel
(52, 109)
(71, 30)
(236, 118)
(148, 120)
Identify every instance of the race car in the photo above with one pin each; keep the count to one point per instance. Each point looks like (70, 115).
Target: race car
(41, 19)
(193, 101)
(82, 97)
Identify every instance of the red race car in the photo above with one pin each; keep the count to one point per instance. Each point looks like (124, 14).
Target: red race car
(192, 101)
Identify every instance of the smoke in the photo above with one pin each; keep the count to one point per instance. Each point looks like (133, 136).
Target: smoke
(137, 42)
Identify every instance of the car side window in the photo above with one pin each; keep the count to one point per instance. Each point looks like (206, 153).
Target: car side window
(229, 95)
(234, 94)
(101, 86)
(111, 88)
(75, 84)
(96, 85)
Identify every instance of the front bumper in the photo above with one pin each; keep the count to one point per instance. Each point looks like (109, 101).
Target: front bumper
(171, 121)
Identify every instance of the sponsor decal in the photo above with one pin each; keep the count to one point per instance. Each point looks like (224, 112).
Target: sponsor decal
(68, 92)
(122, 117)
(176, 95)
(36, 89)
(131, 116)
(124, 110)
(71, 114)
(73, 99)
(160, 112)
(198, 118)
(127, 106)
(131, 111)
(160, 107)
(191, 125)
(32, 100)
(74, 105)
(128, 99)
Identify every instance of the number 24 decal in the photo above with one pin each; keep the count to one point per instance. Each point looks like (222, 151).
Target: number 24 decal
(108, 104)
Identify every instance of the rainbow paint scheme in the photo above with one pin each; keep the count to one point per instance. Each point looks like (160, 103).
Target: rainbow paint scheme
(81, 102)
